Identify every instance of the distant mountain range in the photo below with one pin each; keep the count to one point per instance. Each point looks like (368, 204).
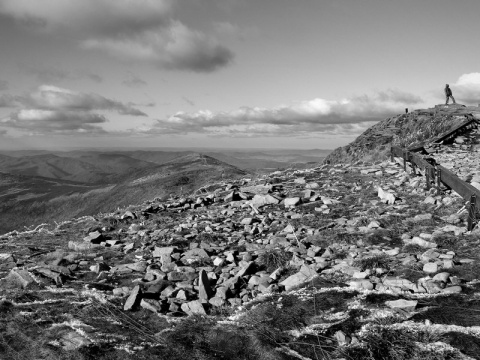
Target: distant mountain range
(40, 186)
(106, 167)
(28, 200)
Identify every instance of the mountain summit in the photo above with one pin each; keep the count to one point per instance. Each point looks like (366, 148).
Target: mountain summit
(404, 130)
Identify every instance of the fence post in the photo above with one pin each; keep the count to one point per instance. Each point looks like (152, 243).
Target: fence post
(391, 153)
(405, 160)
(427, 177)
(471, 212)
(439, 179)
(414, 168)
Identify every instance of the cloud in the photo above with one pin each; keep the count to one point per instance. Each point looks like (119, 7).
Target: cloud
(52, 97)
(179, 48)
(51, 109)
(97, 17)
(134, 81)
(3, 132)
(336, 117)
(145, 104)
(398, 96)
(4, 85)
(467, 88)
(37, 121)
(139, 30)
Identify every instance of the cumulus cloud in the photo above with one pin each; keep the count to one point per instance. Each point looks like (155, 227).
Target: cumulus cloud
(96, 17)
(38, 121)
(336, 117)
(140, 30)
(398, 96)
(179, 48)
(467, 88)
(51, 109)
(52, 97)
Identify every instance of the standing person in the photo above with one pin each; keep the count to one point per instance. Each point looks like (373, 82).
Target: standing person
(448, 94)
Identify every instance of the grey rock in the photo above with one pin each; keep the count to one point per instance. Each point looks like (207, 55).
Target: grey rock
(159, 251)
(133, 299)
(430, 268)
(361, 284)
(443, 276)
(193, 307)
(292, 201)
(94, 237)
(20, 278)
(402, 304)
(205, 292)
(305, 274)
(452, 290)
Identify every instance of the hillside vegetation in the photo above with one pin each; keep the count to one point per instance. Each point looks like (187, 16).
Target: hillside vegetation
(404, 130)
(33, 200)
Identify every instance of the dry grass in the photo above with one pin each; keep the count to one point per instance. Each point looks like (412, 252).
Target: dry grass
(372, 262)
(450, 310)
(272, 259)
(383, 343)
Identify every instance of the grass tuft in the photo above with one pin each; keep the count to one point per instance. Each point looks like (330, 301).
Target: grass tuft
(272, 259)
(372, 262)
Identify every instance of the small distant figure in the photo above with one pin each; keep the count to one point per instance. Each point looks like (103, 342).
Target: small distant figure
(406, 110)
(448, 94)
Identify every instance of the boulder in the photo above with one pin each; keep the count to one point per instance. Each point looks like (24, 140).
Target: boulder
(385, 196)
(94, 237)
(361, 284)
(292, 201)
(205, 292)
(402, 304)
(305, 274)
(159, 251)
(19, 278)
(133, 299)
(430, 268)
(193, 307)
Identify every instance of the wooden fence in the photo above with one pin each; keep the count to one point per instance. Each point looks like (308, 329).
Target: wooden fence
(435, 175)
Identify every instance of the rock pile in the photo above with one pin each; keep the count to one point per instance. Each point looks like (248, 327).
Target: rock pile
(224, 249)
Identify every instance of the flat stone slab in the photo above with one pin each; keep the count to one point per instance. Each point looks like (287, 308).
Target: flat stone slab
(401, 304)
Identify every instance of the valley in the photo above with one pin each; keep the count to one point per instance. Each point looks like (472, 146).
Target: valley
(41, 187)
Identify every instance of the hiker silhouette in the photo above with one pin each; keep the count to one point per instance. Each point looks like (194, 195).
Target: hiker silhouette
(448, 94)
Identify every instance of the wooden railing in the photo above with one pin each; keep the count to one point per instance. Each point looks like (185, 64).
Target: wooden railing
(436, 175)
(470, 122)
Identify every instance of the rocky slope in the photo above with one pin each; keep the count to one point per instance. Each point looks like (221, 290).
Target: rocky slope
(404, 130)
(346, 261)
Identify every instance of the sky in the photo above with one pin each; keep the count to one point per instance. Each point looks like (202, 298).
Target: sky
(244, 74)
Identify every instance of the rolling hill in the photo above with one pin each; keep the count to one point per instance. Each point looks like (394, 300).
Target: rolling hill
(93, 168)
(29, 200)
